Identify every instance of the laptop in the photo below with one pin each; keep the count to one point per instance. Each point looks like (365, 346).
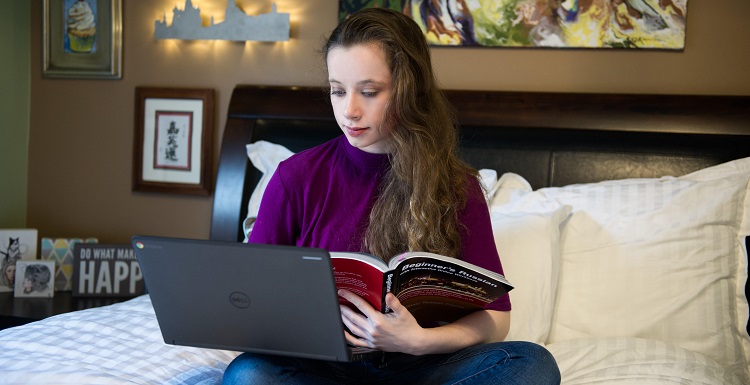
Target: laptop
(244, 297)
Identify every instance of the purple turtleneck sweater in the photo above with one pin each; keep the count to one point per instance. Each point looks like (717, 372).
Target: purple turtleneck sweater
(322, 197)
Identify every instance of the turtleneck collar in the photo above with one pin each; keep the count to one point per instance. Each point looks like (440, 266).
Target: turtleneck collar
(362, 158)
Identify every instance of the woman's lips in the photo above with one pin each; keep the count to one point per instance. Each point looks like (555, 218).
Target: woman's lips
(355, 131)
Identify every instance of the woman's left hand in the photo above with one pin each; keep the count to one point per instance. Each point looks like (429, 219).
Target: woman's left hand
(397, 331)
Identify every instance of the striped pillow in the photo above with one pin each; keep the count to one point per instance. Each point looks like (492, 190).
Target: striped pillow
(662, 259)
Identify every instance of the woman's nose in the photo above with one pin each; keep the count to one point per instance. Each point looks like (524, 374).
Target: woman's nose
(352, 110)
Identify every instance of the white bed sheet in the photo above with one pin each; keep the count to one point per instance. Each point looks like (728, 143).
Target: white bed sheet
(122, 344)
(117, 344)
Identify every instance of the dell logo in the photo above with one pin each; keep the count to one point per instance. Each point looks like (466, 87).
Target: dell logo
(239, 300)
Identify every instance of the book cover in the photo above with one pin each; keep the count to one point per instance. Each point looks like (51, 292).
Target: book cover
(15, 245)
(435, 288)
(106, 270)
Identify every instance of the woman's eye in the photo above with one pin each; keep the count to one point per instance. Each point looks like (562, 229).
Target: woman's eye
(369, 94)
(337, 93)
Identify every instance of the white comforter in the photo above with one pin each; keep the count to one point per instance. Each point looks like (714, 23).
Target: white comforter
(121, 344)
(117, 344)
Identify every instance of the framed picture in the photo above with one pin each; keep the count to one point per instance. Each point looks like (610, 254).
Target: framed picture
(34, 279)
(604, 24)
(173, 140)
(82, 39)
(15, 245)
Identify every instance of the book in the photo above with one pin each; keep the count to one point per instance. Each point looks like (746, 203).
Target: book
(102, 270)
(434, 288)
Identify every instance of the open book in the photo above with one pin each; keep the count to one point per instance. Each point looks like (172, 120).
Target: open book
(435, 288)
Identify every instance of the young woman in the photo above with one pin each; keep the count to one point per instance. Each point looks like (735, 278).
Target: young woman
(392, 183)
(8, 272)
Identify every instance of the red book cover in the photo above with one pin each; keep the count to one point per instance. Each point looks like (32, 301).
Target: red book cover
(433, 287)
(360, 276)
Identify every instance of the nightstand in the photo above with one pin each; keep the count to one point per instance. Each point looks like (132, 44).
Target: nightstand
(19, 311)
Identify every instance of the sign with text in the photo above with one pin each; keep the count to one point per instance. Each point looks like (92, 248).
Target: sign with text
(101, 270)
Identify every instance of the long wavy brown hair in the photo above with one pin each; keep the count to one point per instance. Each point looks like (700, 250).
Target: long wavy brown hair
(424, 190)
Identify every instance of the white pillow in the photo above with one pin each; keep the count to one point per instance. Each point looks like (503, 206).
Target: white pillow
(488, 180)
(529, 248)
(265, 156)
(661, 259)
(637, 361)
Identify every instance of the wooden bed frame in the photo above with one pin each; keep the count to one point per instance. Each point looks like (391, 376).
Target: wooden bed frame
(551, 139)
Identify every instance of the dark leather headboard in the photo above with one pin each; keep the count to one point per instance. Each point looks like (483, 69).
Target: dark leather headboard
(551, 139)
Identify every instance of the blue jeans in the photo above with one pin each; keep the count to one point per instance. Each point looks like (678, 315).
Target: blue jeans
(496, 363)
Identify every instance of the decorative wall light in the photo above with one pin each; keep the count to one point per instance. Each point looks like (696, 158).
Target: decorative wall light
(237, 26)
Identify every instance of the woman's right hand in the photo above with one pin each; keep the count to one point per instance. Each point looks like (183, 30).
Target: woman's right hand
(397, 331)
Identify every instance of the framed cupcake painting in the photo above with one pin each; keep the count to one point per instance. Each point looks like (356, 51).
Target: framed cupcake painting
(82, 39)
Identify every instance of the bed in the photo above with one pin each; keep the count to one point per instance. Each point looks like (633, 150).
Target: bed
(621, 220)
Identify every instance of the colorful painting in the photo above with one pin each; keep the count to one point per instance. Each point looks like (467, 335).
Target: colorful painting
(79, 26)
(82, 39)
(641, 24)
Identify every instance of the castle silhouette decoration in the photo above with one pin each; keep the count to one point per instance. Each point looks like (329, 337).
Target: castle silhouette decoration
(237, 26)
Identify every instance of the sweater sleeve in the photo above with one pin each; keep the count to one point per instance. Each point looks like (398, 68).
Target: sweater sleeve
(478, 242)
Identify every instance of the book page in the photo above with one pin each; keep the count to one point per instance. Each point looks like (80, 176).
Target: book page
(361, 278)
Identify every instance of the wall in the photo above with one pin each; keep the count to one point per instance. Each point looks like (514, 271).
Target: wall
(81, 136)
(14, 112)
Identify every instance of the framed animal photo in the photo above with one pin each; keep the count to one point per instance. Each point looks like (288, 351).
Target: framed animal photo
(15, 245)
(34, 279)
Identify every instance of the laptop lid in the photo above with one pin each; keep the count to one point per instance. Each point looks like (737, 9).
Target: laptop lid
(243, 297)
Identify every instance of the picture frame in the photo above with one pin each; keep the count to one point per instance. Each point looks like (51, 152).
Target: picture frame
(533, 24)
(35, 279)
(82, 49)
(173, 141)
(15, 245)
